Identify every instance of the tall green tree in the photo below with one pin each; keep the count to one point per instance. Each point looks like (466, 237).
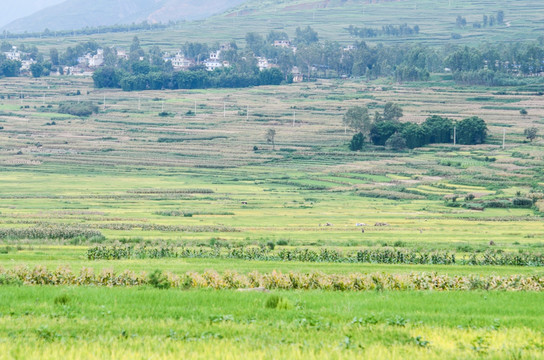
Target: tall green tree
(471, 131)
(392, 112)
(358, 119)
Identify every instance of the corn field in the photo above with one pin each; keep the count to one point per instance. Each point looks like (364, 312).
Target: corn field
(40, 275)
(370, 256)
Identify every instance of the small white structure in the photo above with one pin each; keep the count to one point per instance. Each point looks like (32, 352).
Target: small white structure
(180, 62)
(25, 64)
(282, 43)
(262, 63)
(13, 54)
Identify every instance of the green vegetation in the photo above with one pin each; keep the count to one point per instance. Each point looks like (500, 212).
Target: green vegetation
(247, 221)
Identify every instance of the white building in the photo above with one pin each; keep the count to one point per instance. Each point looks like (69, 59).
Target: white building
(211, 65)
(282, 43)
(13, 54)
(262, 63)
(96, 60)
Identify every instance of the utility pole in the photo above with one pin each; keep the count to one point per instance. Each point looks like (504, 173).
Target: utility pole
(104, 102)
(455, 135)
(294, 118)
(503, 138)
(224, 110)
(195, 107)
(247, 113)
(43, 101)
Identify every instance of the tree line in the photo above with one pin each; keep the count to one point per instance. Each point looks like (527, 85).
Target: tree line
(485, 64)
(386, 30)
(385, 129)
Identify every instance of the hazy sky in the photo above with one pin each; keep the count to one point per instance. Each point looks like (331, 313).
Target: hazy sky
(13, 9)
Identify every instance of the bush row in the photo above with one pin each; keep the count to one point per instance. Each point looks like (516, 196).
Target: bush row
(50, 232)
(371, 256)
(274, 280)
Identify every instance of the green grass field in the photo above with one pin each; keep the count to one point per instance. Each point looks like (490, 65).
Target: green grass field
(97, 323)
(196, 181)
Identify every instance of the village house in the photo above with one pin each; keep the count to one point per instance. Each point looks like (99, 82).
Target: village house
(13, 54)
(262, 63)
(122, 54)
(297, 75)
(25, 64)
(180, 62)
(282, 43)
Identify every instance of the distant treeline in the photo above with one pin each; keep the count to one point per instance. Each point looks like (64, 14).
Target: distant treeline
(197, 79)
(88, 30)
(386, 30)
(486, 64)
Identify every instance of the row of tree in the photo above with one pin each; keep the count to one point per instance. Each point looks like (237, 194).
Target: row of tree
(109, 77)
(487, 64)
(385, 129)
(386, 30)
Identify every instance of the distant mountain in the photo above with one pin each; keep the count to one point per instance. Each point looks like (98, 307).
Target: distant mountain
(77, 14)
(15, 9)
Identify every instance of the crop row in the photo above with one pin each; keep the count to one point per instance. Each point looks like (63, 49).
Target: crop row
(50, 232)
(273, 280)
(372, 256)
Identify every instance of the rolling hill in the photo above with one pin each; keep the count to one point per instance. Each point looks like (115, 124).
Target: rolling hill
(15, 9)
(77, 14)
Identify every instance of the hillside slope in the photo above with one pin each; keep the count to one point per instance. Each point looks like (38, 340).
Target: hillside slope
(77, 14)
(15, 9)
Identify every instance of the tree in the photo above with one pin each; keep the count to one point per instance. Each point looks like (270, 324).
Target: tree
(392, 112)
(270, 137)
(255, 42)
(382, 131)
(471, 131)
(414, 135)
(531, 133)
(54, 56)
(136, 52)
(438, 129)
(357, 142)
(500, 17)
(36, 69)
(306, 36)
(358, 119)
(396, 142)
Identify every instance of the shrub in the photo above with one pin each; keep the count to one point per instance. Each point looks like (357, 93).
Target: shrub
(396, 142)
(159, 280)
(278, 302)
(78, 109)
(357, 142)
(61, 299)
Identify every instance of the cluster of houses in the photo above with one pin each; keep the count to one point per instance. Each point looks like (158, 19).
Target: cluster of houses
(15, 54)
(89, 62)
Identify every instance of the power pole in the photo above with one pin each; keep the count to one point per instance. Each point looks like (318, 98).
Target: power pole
(43, 102)
(104, 102)
(195, 107)
(224, 110)
(294, 118)
(247, 113)
(503, 138)
(455, 135)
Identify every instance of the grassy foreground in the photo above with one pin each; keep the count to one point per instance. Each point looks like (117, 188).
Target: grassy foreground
(144, 323)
